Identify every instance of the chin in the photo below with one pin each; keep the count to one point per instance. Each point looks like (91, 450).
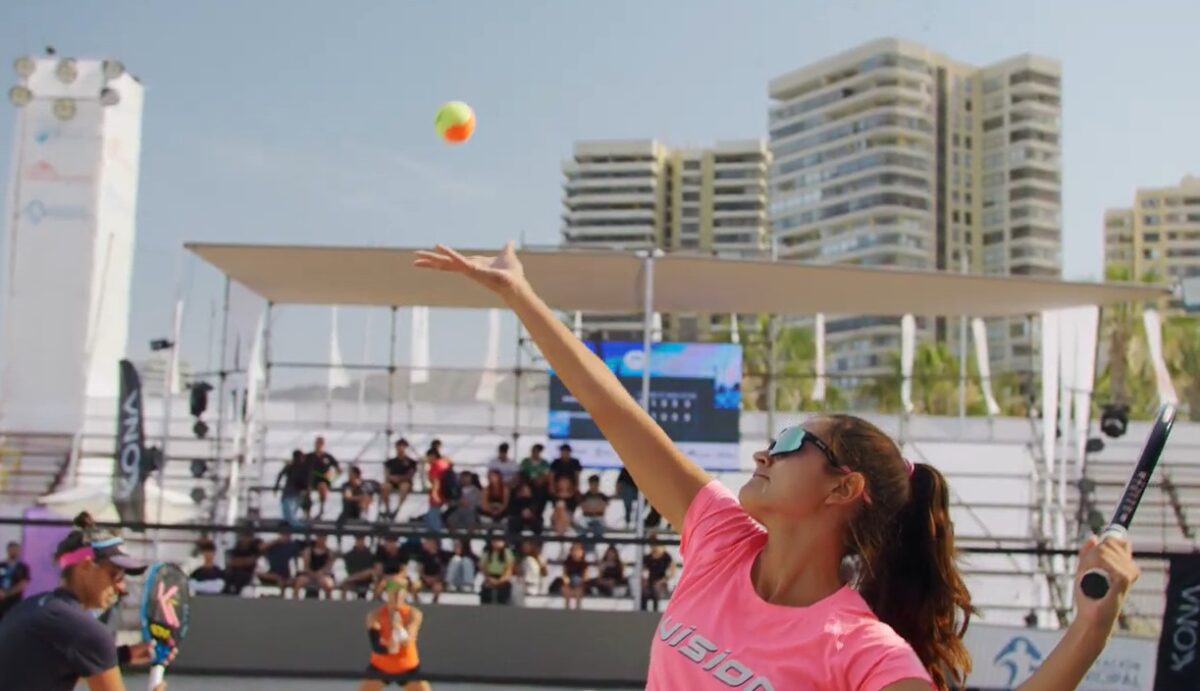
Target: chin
(750, 496)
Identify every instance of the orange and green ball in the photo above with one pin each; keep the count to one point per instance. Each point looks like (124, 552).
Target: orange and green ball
(455, 122)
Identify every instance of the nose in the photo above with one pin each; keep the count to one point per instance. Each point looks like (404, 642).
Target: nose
(761, 457)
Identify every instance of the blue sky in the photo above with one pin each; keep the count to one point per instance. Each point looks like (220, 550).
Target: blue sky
(311, 122)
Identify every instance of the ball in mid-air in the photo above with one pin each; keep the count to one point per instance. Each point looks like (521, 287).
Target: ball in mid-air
(455, 122)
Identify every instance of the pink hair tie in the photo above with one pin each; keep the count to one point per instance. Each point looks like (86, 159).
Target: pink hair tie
(909, 466)
(76, 556)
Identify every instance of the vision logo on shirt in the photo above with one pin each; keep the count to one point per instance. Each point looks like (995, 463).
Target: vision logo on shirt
(725, 669)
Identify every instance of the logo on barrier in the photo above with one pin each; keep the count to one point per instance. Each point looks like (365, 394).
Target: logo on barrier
(38, 211)
(1020, 658)
(44, 171)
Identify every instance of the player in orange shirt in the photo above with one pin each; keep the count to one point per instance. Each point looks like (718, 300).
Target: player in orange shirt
(392, 630)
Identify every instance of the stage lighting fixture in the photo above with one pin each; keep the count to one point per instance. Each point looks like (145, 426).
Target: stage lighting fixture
(109, 97)
(200, 429)
(20, 96)
(1095, 445)
(64, 108)
(112, 69)
(24, 66)
(1096, 521)
(160, 344)
(1114, 420)
(199, 467)
(198, 494)
(199, 398)
(66, 70)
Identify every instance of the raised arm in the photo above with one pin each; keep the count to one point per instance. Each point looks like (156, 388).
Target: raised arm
(669, 479)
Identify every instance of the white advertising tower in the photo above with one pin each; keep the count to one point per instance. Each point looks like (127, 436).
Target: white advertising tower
(68, 246)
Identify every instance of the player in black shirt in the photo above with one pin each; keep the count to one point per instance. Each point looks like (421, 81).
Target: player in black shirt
(14, 576)
(51, 641)
(323, 467)
(399, 472)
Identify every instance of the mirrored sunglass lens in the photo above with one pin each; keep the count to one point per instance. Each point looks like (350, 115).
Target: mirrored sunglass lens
(789, 440)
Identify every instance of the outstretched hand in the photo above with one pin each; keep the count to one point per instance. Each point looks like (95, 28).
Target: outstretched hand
(501, 273)
(1115, 556)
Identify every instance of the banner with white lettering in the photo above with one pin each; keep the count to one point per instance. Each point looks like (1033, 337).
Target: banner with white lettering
(128, 477)
(1179, 644)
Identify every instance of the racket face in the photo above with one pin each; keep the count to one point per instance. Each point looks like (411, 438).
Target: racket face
(1156, 441)
(165, 605)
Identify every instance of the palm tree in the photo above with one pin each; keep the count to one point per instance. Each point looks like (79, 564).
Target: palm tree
(1127, 376)
(1181, 350)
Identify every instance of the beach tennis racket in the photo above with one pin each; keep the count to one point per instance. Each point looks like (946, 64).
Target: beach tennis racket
(165, 611)
(1095, 583)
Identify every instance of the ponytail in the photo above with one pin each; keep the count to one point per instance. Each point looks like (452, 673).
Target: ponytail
(912, 580)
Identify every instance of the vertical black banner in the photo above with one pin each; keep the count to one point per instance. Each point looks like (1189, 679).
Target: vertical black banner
(1179, 646)
(128, 490)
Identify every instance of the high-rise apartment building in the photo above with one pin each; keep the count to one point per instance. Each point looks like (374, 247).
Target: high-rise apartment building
(1159, 236)
(891, 154)
(631, 195)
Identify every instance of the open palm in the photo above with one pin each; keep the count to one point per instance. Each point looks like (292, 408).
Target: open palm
(499, 273)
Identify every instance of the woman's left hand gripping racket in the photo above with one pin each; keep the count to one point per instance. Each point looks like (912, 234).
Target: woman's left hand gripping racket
(165, 611)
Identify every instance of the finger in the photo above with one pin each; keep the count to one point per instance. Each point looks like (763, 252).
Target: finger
(1087, 545)
(455, 256)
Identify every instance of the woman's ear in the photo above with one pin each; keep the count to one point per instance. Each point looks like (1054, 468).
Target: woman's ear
(848, 489)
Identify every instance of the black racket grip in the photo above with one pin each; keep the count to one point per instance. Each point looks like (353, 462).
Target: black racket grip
(1095, 583)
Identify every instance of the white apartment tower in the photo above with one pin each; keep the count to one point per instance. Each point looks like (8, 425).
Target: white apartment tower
(890, 154)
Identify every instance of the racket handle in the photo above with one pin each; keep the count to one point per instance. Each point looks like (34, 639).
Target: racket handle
(1095, 583)
(157, 672)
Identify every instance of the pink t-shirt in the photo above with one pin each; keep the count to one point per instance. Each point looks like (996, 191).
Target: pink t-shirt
(717, 633)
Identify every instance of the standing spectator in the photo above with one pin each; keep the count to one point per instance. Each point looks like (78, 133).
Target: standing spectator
(506, 466)
(575, 568)
(627, 490)
(14, 576)
(208, 578)
(433, 560)
(498, 564)
(280, 554)
(533, 567)
(470, 502)
(355, 499)
(318, 568)
(657, 569)
(324, 468)
(241, 562)
(296, 478)
(536, 470)
(593, 505)
(495, 498)
(460, 572)
(440, 489)
(610, 574)
(566, 465)
(526, 513)
(399, 472)
(360, 568)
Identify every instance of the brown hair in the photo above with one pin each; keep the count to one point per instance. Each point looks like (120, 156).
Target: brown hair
(903, 543)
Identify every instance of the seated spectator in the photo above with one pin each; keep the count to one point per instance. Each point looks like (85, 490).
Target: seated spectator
(504, 465)
(208, 578)
(627, 490)
(433, 560)
(355, 498)
(657, 569)
(280, 554)
(494, 506)
(498, 565)
(465, 515)
(14, 577)
(318, 568)
(565, 499)
(536, 470)
(610, 574)
(399, 472)
(443, 487)
(241, 562)
(525, 511)
(390, 560)
(324, 468)
(460, 572)
(360, 568)
(593, 505)
(566, 491)
(574, 576)
(566, 465)
(533, 567)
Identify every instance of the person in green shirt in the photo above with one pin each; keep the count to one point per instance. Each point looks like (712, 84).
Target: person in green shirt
(536, 469)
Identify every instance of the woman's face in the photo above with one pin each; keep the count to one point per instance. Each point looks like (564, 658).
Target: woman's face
(97, 584)
(577, 551)
(793, 485)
